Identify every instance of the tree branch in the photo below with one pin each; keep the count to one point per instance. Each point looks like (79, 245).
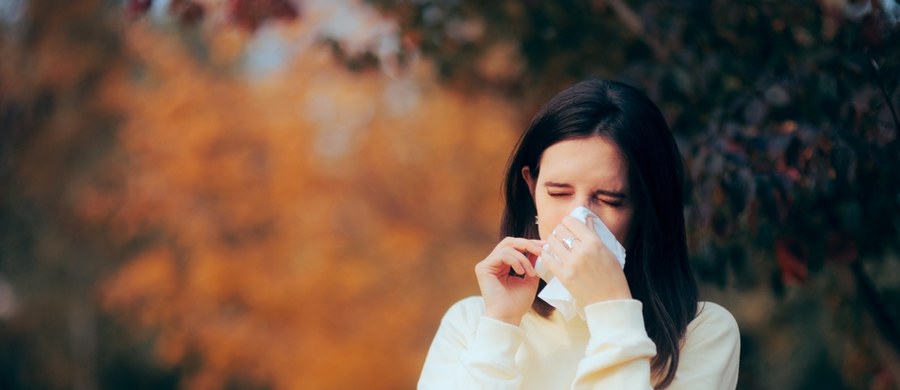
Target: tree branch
(886, 331)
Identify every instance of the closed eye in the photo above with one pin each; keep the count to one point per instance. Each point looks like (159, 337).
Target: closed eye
(613, 199)
(614, 203)
(558, 190)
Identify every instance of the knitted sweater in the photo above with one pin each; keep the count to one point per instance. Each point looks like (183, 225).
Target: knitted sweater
(609, 349)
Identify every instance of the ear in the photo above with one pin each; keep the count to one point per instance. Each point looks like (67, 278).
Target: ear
(526, 174)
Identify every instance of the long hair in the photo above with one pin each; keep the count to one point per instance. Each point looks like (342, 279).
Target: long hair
(657, 267)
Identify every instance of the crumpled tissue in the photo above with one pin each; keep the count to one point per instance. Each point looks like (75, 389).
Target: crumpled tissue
(554, 292)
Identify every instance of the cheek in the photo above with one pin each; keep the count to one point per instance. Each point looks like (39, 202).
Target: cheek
(624, 229)
(550, 215)
(618, 221)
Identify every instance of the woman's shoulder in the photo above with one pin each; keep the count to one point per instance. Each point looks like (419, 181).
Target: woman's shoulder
(711, 311)
(710, 353)
(467, 310)
(713, 320)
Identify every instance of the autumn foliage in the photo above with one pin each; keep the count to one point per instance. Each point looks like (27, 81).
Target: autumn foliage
(302, 232)
(305, 225)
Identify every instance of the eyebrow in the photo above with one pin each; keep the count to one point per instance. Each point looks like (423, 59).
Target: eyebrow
(613, 194)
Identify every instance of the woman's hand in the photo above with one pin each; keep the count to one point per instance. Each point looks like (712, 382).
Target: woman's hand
(587, 268)
(508, 297)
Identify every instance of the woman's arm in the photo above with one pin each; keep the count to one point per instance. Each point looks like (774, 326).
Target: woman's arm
(472, 351)
(618, 353)
(476, 344)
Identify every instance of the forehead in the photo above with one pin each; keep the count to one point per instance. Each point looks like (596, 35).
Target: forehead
(593, 159)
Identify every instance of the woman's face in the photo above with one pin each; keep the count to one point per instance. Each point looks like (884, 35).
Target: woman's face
(586, 172)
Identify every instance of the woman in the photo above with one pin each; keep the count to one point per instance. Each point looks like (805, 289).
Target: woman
(605, 146)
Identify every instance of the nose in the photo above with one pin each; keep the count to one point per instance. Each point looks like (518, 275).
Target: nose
(582, 201)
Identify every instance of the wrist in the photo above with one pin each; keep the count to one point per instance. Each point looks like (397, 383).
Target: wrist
(604, 296)
(509, 319)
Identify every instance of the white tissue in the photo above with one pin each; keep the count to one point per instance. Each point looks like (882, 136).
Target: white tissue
(554, 292)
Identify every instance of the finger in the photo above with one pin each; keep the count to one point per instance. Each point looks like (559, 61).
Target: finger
(547, 254)
(562, 231)
(499, 258)
(560, 250)
(525, 265)
(533, 250)
(517, 261)
(532, 258)
(551, 261)
(524, 251)
(535, 247)
(578, 229)
(513, 259)
(522, 244)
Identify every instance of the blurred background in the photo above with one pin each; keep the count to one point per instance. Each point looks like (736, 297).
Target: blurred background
(288, 194)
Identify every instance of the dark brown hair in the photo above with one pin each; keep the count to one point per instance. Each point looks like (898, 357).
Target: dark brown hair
(657, 267)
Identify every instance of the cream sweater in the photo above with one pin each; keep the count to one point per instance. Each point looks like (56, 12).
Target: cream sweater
(608, 350)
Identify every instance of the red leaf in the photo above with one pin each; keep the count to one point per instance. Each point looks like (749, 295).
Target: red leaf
(791, 257)
(187, 11)
(137, 8)
(841, 249)
(253, 13)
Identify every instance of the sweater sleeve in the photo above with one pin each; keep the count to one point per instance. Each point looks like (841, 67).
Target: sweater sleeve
(711, 351)
(619, 351)
(471, 351)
